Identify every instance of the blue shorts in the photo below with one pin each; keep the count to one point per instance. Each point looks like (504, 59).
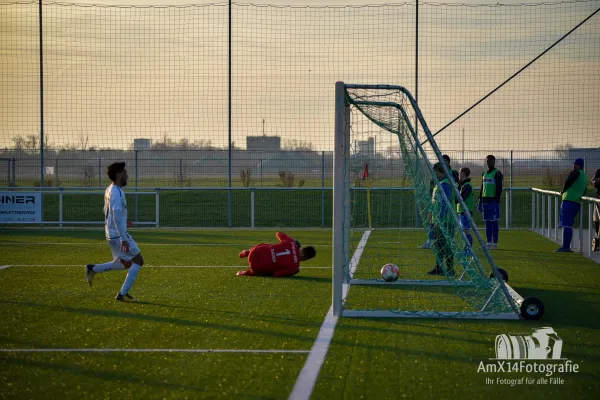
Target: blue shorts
(568, 212)
(491, 211)
(464, 221)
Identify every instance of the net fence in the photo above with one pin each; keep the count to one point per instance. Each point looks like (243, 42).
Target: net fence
(113, 74)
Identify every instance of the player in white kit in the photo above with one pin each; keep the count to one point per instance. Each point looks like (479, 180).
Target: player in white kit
(126, 254)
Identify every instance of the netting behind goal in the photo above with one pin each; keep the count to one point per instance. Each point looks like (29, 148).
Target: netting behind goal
(381, 226)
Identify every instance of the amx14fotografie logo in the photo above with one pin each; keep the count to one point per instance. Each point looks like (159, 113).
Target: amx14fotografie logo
(538, 353)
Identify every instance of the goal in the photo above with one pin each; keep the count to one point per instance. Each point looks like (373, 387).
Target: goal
(383, 216)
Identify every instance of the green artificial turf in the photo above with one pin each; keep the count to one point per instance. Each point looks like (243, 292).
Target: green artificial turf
(210, 308)
(438, 359)
(179, 308)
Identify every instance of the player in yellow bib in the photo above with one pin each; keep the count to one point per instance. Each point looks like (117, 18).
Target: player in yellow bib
(489, 201)
(442, 204)
(431, 234)
(574, 187)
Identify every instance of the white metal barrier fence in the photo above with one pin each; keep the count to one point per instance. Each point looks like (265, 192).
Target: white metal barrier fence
(82, 216)
(545, 219)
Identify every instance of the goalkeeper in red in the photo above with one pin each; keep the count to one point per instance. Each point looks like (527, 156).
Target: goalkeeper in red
(278, 260)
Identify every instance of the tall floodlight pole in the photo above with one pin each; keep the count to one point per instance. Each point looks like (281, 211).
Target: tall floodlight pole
(416, 90)
(417, 59)
(41, 99)
(229, 194)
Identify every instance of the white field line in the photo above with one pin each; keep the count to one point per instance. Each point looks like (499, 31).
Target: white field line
(5, 266)
(152, 266)
(307, 379)
(51, 350)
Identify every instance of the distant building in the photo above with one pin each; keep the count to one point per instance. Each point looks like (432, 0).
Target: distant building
(141, 144)
(259, 143)
(366, 146)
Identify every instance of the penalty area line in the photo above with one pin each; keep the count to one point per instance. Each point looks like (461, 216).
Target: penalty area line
(305, 383)
(67, 350)
(5, 266)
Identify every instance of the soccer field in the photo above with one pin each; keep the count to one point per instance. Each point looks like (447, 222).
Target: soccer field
(199, 331)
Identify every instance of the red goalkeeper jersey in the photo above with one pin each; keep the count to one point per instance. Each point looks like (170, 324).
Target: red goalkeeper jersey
(281, 259)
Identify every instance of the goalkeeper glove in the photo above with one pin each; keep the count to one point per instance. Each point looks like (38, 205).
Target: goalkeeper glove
(480, 207)
(298, 243)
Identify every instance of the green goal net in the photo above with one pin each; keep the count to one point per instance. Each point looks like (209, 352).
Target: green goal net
(380, 220)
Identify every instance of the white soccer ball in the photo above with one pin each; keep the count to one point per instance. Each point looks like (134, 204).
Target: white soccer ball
(390, 272)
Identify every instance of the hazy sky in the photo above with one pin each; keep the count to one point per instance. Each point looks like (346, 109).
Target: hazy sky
(114, 74)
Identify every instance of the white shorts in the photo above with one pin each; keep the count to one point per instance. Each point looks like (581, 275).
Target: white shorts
(115, 248)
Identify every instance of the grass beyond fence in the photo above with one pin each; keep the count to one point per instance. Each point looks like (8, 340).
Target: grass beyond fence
(272, 208)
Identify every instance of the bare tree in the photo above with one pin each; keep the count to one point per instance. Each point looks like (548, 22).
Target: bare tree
(19, 142)
(298, 145)
(31, 142)
(562, 151)
(88, 176)
(246, 177)
(82, 141)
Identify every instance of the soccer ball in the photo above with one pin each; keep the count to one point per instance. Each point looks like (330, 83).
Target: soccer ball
(390, 272)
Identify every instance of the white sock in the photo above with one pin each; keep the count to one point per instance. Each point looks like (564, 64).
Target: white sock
(109, 266)
(131, 277)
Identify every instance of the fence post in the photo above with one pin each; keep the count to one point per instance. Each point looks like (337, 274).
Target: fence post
(532, 210)
(56, 177)
(539, 207)
(157, 207)
(180, 177)
(581, 231)
(8, 161)
(60, 207)
(506, 212)
(261, 174)
(99, 173)
(252, 208)
(591, 230)
(537, 211)
(543, 214)
(322, 189)
(549, 216)
(136, 185)
(511, 186)
(14, 173)
(556, 218)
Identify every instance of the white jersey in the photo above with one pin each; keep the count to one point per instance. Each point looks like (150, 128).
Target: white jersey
(115, 213)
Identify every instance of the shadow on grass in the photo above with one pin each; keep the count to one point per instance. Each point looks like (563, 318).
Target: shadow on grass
(567, 308)
(242, 238)
(310, 279)
(150, 303)
(220, 326)
(115, 376)
(166, 320)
